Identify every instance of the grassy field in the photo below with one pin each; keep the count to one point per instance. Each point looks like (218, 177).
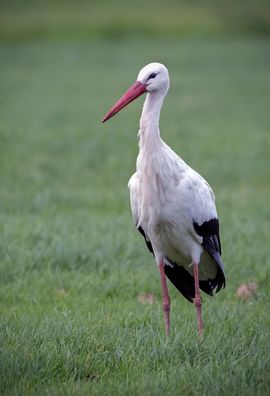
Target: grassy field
(71, 263)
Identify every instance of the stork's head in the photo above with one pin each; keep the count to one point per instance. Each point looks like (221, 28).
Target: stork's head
(153, 77)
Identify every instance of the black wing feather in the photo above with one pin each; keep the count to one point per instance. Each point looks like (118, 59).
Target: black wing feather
(209, 231)
(148, 243)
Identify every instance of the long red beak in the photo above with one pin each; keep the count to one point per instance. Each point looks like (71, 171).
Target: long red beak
(136, 90)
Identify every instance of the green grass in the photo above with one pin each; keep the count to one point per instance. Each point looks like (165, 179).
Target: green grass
(71, 263)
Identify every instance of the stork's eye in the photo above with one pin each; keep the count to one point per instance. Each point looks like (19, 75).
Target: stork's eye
(152, 75)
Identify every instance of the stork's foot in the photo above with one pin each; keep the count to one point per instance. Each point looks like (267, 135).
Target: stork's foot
(198, 300)
(166, 299)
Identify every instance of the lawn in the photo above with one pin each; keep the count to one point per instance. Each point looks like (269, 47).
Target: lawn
(72, 265)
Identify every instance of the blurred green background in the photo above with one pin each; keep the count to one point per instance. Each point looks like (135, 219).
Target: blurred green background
(72, 264)
(88, 19)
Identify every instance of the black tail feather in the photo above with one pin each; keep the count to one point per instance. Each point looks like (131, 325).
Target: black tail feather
(182, 280)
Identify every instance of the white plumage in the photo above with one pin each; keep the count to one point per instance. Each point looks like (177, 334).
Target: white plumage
(172, 205)
(166, 199)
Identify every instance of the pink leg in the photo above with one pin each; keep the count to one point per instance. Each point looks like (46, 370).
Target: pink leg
(166, 299)
(198, 300)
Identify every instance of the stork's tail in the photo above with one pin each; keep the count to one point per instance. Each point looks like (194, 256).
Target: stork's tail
(184, 282)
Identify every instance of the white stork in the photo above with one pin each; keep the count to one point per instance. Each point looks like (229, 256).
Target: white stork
(173, 207)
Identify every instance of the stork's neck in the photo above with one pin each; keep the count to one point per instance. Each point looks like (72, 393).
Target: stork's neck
(149, 124)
